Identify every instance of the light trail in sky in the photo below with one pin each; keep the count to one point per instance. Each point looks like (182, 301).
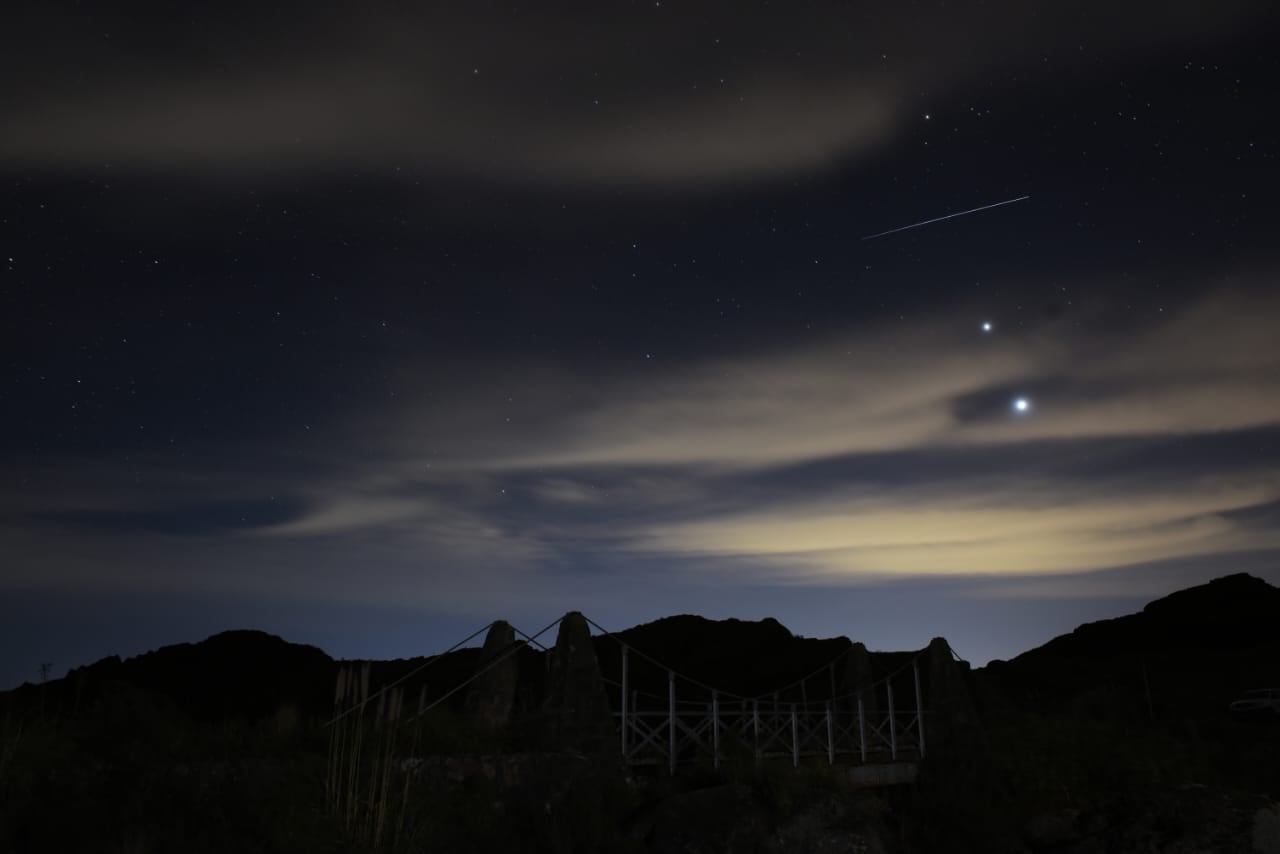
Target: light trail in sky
(948, 216)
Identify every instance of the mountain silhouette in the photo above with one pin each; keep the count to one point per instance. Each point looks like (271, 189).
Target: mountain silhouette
(1183, 656)
(1229, 613)
(1186, 654)
(239, 674)
(741, 656)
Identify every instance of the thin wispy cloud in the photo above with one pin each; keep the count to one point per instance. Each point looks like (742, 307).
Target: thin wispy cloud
(890, 390)
(672, 467)
(1031, 527)
(739, 93)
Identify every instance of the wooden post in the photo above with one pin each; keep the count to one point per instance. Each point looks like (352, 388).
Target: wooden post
(755, 727)
(671, 721)
(1146, 689)
(804, 701)
(915, 667)
(715, 727)
(795, 738)
(831, 737)
(862, 730)
(893, 725)
(623, 702)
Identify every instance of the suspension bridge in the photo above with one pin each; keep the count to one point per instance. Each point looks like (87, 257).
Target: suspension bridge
(602, 695)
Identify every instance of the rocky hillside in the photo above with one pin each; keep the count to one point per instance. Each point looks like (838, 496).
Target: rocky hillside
(1183, 657)
(251, 674)
(1113, 738)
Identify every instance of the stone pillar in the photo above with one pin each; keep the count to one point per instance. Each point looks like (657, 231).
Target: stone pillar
(491, 696)
(953, 719)
(576, 708)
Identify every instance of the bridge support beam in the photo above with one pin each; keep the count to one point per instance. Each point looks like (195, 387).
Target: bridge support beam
(862, 730)
(715, 728)
(795, 738)
(915, 672)
(893, 725)
(804, 702)
(671, 721)
(622, 702)
(755, 727)
(831, 737)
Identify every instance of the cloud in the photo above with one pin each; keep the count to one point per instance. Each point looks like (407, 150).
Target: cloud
(1139, 583)
(563, 490)
(578, 96)
(1028, 526)
(769, 132)
(345, 513)
(883, 453)
(1205, 369)
(723, 425)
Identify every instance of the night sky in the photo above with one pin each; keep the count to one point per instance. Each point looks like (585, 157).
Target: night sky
(366, 324)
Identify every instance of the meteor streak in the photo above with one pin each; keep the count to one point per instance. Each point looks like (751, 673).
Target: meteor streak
(941, 218)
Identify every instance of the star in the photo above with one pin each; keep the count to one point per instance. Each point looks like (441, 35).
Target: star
(1022, 405)
(986, 326)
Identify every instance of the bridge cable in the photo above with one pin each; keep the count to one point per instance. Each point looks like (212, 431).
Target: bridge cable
(515, 647)
(430, 661)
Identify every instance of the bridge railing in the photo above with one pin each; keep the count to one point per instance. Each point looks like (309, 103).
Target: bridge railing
(653, 729)
(836, 729)
(865, 723)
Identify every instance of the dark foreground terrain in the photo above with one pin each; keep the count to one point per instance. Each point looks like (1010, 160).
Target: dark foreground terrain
(1115, 738)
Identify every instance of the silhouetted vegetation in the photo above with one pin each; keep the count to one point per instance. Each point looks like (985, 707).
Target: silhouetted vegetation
(1116, 718)
(1115, 736)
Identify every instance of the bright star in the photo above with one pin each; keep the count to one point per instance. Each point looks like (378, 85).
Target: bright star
(986, 326)
(1022, 405)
